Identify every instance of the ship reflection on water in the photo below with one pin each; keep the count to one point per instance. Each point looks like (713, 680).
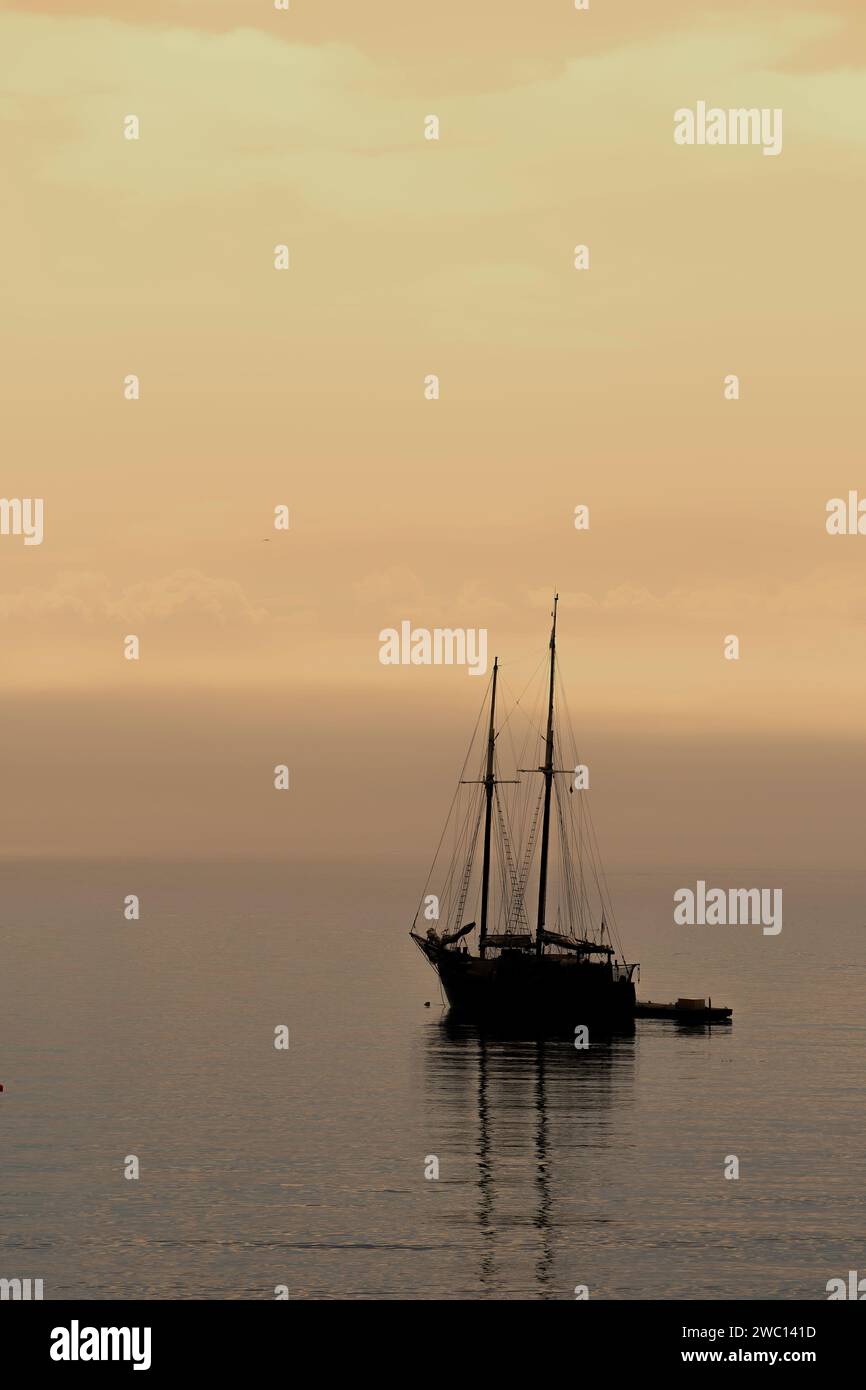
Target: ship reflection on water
(527, 1126)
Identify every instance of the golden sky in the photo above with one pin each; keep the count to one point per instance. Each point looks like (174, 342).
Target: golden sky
(305, 387)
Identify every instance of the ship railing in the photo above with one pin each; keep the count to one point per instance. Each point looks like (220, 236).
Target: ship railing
(625, 971)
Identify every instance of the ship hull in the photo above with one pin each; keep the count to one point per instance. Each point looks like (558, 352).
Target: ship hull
(554, 990)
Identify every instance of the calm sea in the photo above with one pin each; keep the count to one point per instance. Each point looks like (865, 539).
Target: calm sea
(306, 1167)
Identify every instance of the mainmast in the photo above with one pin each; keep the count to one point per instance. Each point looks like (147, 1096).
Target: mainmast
(548, 785)
(489, 783)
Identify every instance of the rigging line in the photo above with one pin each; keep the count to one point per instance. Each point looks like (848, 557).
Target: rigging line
(522, 805)
(541, 663)
(513, 759)
(570, 853)
(573, 858)
(508, 862)
(575, 826)
(461, 838)
(604, 896)
(453, 801)
(567, 829)
(505, 891)
(527, 855)
(567, 875)
(563, 852)
(467, 873)
(595, 857)
(597, 864)
(461, 825)
(520, 660)
(614, 923)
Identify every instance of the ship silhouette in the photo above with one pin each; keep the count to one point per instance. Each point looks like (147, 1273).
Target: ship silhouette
(567, 968)
(564, 972)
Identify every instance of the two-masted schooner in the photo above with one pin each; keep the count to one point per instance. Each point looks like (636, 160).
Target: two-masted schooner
(564, 969)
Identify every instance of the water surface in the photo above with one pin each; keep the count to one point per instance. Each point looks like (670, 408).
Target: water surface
(306, 1168)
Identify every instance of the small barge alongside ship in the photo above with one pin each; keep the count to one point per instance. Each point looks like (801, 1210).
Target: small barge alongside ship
(684, 1011)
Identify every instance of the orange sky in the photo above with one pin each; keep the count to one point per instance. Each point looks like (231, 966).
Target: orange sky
(411, 257)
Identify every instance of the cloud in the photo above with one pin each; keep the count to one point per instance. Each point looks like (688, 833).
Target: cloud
(396, 585)
(827, 594)
(237, 108)
(473, 42)
(88, 597)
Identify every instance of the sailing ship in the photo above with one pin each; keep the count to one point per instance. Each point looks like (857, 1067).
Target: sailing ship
(567, 968)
